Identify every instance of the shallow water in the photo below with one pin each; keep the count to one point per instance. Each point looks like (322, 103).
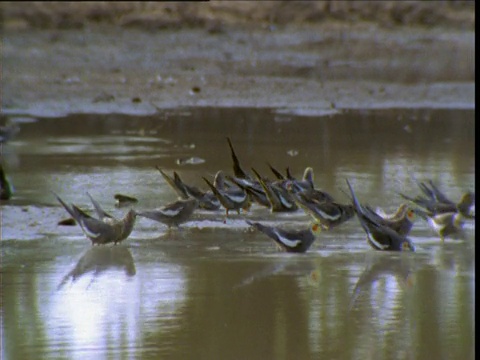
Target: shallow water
(215, 290)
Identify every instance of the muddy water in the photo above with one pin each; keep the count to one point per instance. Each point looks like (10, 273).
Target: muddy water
(214, 289)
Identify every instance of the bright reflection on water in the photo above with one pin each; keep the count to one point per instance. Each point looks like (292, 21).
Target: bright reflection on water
(215, 290)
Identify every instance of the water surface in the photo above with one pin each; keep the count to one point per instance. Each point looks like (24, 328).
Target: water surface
(215, 289)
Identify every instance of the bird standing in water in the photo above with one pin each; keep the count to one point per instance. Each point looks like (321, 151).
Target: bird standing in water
(379, 236)
(232, 198)
(105, 230)
(298, 241)
(173, 214)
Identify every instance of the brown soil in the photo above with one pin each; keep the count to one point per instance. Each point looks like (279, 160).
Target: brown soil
(313, 57)
(214, 14)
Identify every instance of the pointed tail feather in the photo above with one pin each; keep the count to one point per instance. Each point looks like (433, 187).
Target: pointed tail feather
(408, 198)
(176, 184)
(237, 170)
(355, 201)
(423, 214)
(358, 208)
(277, 173)
(426, 190)
(69, 209)
(213, 188)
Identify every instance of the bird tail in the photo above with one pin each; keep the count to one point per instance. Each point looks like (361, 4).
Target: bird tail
(69, 209)
(421, 213)
(237, 169)
(213, 188)
(358, 207)
(277, 173)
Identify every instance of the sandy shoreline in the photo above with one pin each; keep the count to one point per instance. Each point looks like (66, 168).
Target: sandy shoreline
(312, 69)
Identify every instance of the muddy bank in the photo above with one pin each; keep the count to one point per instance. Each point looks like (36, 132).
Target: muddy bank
(315, 65)
(213, 15)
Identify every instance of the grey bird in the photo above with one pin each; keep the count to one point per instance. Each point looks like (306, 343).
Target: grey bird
(206, 199)
(237, 169)
(176, 185)
(279, 198)
(253, 188)
(298, 241)
(329, 214)
(100, 231)
(306, 184)
(306, 187)
(110, 220)
(230, 198)
(379, 237)
(436, 202)
(313, 194)
(172, 214)
(395, 215)
(401, 222)
(434, 207)
(445, 224)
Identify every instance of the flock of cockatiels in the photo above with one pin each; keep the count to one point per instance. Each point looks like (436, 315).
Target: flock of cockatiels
(286, 193)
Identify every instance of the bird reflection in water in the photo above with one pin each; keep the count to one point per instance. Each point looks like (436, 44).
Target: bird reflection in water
(262, 274)
(97, 260)
(288, 265)
(382, 266)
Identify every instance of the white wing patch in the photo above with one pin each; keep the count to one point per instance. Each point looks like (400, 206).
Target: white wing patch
(88, 232)
(236, 198)
(376, 243)
(287, 242)
(285, 202)
(326, 216)
(381, 212)
(435, 225)
(171, 212)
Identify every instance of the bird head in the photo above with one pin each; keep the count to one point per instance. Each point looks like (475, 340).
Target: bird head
(411, 215)
(131, 214)
(468, 198)
(316, 228)
(289, 185)
(466, 203)
(408, 246)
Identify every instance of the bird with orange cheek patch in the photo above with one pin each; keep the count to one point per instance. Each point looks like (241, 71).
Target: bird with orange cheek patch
(395, 215)
(401, 222)
(379, 236)
(298, 241)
